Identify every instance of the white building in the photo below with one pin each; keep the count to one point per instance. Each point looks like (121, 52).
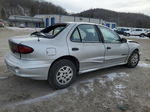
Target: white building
(26, 21)
(52, 19)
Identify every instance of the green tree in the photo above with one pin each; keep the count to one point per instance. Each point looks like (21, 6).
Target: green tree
(33, 10)
(3, 13)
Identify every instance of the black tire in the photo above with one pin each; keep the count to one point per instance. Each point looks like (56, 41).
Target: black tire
(149, 35)
(131, 63)
(142, 35)
(55, 71)
(127, 34)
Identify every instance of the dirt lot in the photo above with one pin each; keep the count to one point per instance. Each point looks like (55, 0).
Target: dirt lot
(117, 89)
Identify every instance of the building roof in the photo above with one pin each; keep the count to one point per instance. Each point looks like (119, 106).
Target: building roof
(24, 18)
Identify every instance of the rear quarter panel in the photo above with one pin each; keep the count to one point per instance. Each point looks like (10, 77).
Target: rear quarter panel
(46, 49)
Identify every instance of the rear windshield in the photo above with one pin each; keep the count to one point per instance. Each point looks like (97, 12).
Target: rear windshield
(54, 29)
(51, 31)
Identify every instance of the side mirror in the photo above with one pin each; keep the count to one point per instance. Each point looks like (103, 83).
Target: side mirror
(123, 40)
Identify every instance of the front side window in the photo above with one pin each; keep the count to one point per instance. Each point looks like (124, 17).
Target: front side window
(138, 30)
(109, 36)
(127, 30)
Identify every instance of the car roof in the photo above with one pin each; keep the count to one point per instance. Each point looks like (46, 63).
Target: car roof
(78, 23)
(81, 23)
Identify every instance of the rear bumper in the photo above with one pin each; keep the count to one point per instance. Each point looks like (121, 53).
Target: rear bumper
(28, 68)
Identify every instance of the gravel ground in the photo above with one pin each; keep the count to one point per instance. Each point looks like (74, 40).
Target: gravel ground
(116, 89)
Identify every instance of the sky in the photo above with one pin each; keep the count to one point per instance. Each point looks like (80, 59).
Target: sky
(75, 6)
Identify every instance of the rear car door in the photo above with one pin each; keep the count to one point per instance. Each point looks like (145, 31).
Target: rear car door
(116, 51)
(87, 47)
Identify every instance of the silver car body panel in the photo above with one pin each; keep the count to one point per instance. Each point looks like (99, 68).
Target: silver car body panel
(27, 68)
(117, 54)
(91, 56)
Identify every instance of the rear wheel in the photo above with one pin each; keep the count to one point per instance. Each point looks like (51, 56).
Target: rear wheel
(62, 74)
(133, 59)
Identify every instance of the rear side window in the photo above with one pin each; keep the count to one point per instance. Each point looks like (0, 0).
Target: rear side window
(88, 33)
(85, 33)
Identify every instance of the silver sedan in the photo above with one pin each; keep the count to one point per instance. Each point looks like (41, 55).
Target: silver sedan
(61, 51)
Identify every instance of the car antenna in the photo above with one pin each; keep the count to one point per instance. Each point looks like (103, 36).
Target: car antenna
(35, 29)
(37, 36)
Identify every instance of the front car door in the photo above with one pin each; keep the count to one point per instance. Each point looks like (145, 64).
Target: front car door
(87, 47)
(116, 51)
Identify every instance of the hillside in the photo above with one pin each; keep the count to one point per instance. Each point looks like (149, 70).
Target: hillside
(122, 19)
(32, 7)
(27, 7)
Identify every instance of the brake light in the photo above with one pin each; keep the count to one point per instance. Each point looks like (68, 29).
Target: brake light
(24, 49)
(19, 48)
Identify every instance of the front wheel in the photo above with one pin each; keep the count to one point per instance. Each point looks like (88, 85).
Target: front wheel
(142, 35)
(62, 74)
(127, 34)
(133, 59)
(149, 35)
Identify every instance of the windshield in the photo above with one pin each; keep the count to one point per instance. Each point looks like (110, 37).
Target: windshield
(51, 31)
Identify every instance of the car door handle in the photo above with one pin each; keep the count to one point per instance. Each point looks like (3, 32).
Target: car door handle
(108, 47)
(75, 49)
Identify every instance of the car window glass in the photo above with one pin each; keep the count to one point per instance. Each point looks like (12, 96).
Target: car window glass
(75, 36)
(88, 33)
(109, 36)
(139, 29)
(119, 29)
(55, 30)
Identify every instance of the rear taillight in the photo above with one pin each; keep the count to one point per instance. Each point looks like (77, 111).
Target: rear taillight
(24, 49)
(19, 48)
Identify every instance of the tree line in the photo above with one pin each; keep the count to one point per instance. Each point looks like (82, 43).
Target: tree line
(33, 7)
(28, 8)
(122, 19)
